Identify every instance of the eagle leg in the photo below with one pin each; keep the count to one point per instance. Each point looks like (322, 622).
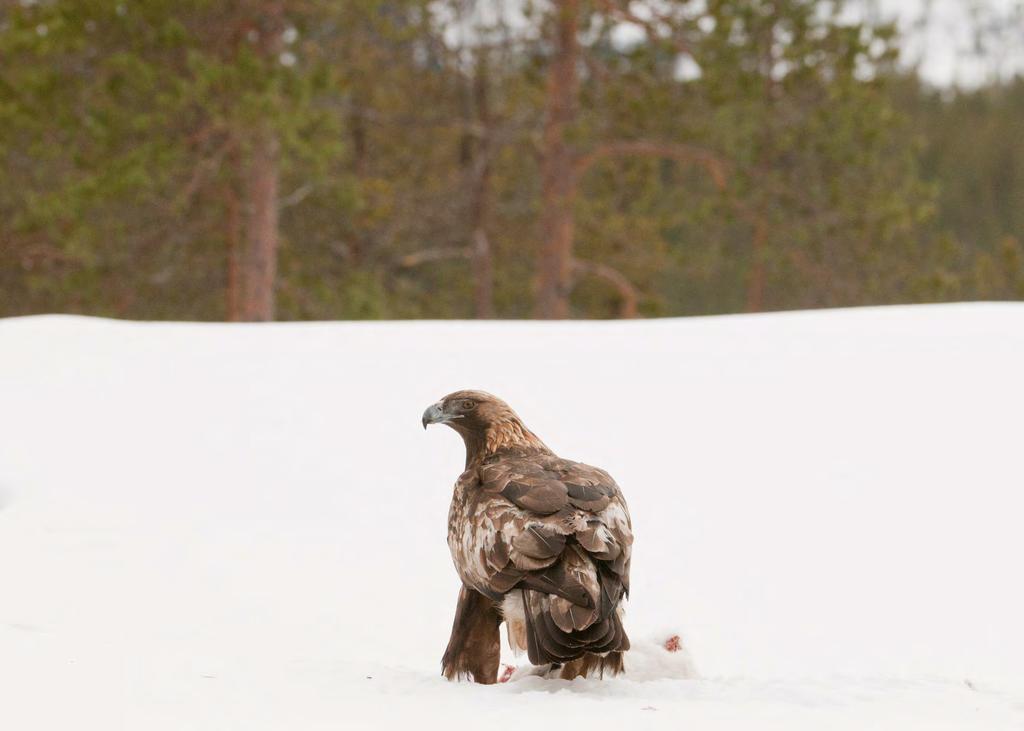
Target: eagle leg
(474, 649)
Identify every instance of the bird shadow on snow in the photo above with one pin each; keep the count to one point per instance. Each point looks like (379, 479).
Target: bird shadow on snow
(653, 659)
(653, 683)
(650, 663)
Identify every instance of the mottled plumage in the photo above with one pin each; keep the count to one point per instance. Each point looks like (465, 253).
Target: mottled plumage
(539, 541)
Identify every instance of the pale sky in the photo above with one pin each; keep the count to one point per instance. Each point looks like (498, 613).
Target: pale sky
(945, 46)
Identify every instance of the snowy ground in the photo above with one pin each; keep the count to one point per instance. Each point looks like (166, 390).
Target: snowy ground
(209, 526)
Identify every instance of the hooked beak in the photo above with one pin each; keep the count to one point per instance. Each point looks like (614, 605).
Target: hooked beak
(435, 415)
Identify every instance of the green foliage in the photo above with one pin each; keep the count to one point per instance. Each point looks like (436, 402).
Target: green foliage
(124, 130)
(121, 123)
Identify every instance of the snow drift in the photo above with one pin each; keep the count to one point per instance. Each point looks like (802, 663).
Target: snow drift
(207, 526)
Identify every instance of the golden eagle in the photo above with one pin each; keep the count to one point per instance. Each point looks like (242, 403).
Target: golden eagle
(540, 542)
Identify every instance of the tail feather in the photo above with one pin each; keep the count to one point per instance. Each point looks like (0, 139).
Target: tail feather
(583, 639)
(591, 665)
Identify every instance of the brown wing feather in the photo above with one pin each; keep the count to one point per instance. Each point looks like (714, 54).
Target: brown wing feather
(588, 497)
(541, 504)
(539, 541)
(559, 531)
(538, 495)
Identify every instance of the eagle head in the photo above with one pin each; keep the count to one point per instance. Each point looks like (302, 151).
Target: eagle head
(485, 423)
(469, 411)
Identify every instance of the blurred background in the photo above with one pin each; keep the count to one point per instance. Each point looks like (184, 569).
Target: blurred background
(361, 159)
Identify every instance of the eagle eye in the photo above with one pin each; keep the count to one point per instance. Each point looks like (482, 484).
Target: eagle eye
(468, 405)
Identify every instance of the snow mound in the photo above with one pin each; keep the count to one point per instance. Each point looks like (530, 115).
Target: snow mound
(243, 526)
(658, 656)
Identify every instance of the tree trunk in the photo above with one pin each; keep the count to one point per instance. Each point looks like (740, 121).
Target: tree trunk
(360, 243)
(233, 239)
(481, 258)
(483, 276)
(756, 276)
(260, 180)
(558, 181)
(756, 279)
(260, 244)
